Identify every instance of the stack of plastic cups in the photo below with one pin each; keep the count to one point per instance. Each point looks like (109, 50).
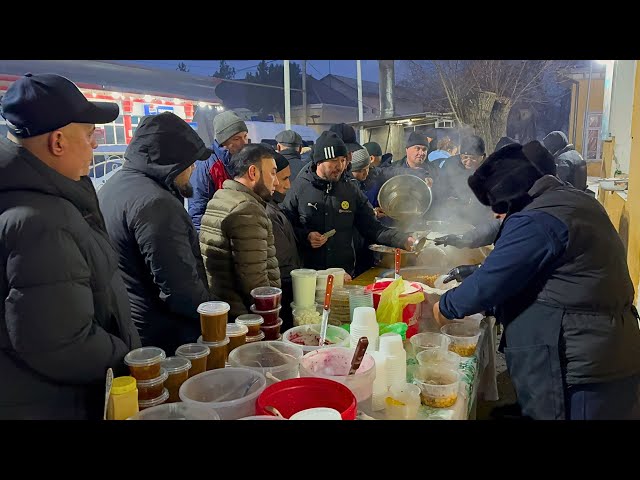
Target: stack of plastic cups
(364, 324)
(380, 387)
(391, 346)
(359, 298)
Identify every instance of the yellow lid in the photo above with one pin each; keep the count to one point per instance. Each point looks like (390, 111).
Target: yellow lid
(122, 385)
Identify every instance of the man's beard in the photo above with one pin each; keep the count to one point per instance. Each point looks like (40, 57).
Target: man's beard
(261, 190)
(186, 190)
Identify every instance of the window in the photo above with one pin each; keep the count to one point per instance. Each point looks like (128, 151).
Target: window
(594, 142)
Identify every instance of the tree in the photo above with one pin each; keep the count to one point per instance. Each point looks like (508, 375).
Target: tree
(269, 100)
(481, 93)
(182, 67)
(225, 71)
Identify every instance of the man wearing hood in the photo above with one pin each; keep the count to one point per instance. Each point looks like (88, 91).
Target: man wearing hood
(320, 201)
(284, 238)
(65, 317)
(348, 135)
(559, 283)
(159, 254)
(571, 166)
(236, 238)
(231, 134)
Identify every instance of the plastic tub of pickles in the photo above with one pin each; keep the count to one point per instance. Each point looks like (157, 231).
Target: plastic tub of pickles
(438, 385)
(464, 338)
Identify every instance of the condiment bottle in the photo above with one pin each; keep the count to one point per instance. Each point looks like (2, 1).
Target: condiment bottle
(123, 400)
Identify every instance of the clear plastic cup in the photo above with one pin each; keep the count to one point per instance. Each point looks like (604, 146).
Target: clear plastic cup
(390, 343)
(218, 353)
(213, 320)
(252, 322)
(178, 370)
(438, 385)
(474, 319)
(197, 354)
(359, 298)
(144, 363)
(338, 276)
(402, 402)
(464, 338)
(439, 356)
(428, 340)
(266, 298)
(152, 388)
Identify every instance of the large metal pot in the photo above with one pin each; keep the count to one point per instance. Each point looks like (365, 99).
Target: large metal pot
(405, 197)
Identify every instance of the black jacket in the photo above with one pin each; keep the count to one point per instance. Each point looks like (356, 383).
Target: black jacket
(284, 237)
(296, 163)
(159, 252)
(571, 167)
(65, 315)
(316, 205)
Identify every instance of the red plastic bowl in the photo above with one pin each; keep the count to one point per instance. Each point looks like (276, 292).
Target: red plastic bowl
(296, 394)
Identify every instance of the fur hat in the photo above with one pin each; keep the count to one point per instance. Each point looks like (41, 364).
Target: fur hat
(506, 176)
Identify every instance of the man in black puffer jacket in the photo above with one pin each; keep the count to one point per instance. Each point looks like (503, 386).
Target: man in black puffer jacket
(65, 317)
(319, 202)
(143, 206)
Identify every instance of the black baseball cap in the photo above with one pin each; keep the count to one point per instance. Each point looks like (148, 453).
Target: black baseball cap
(37, 104)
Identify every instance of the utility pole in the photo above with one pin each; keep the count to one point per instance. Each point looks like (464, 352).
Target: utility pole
(287, 96)
(360, 105)
(304, 92)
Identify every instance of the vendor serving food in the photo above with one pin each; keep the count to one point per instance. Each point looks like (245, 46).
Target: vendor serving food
(560, 285)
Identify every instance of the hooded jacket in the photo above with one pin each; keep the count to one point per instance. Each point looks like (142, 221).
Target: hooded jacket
(206, 179)
(571, 166)
(157, 245)
(65, 315)
(317, 205)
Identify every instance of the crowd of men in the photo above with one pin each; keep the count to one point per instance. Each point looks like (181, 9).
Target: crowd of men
(89, 277)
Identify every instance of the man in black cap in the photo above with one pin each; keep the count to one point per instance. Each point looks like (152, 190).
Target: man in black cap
(65, 318)
(284, 238)
(415, 161)
(319, 201)
(559, 283)
(571, 166)
(157, 244)
(290, 145)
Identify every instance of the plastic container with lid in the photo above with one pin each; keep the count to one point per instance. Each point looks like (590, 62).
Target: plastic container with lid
(338, 276)
(307, 315)
(230, 391)
(144, 363)
(428, 341)
(213, 320)
(439, 356)
(123, 399)
(270, 317)
(218, 353)
(154, 401)
(255, 338)
(177, 411)
(304, 286)
(197, 354)
(237, 334)
(252, 322)
(464, 338)
(148, 389)
(272, 332)
(438, 385)
(266, 298)
(279, 358)
(178, 370)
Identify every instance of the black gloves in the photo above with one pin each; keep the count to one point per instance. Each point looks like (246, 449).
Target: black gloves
(457, 241)
(460, 273)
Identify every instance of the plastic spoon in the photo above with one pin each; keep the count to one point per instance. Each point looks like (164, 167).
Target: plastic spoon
(358, 355)
(325, 311)
(107, 392)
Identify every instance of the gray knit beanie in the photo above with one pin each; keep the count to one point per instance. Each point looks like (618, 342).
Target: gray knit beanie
(227, 124)
(360, 159)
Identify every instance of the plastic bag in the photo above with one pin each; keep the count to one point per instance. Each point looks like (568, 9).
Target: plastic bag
(393, 301)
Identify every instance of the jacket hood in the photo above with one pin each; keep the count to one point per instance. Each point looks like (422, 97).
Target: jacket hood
(163, 147)
(20, 170)
(221, 153)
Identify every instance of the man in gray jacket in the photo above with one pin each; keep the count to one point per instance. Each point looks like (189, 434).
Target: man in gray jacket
(236, 235)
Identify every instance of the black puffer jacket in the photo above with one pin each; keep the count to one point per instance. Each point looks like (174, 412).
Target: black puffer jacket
(296, 163)
(64, 316)
(316, 205)
(572, 167)
(159, 252)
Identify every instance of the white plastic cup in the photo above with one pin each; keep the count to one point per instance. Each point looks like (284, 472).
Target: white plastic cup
(396, 367)
(364, 324)
(304, 286)
(390, 343)
(338, 276)
(380, 387)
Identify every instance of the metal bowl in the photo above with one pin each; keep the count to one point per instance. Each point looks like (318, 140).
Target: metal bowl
(405, 196)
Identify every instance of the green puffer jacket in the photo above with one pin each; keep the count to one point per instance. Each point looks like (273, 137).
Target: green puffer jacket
(237, 245)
